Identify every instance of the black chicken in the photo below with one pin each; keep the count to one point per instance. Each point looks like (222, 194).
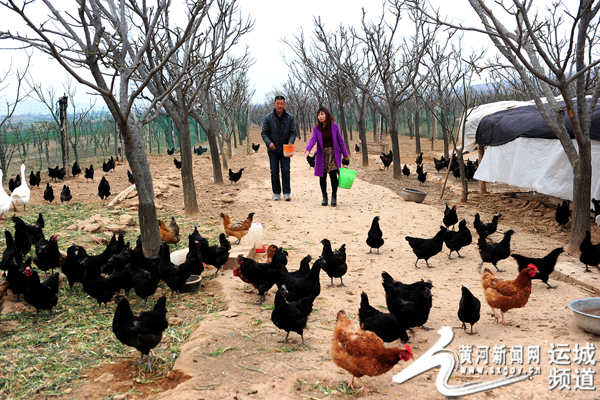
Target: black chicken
(42, 296)
(545, 265)
(103, 189)
(35, 179)
(311, 161)
(291, 316)
(47, 254)
(11, 256)
(175, 276)
(49, 193)
(419, 159)
(216, 255)
(177, 163)
(143, 332)
(111, 163)
(486, 229)
(493, 252)
(53, 172)
(469, 309)
(17, 278)
(304, 267)
(384, 325)
(171, 151)
(459, 239)
(406, 171)
(235, 176)
(375, 236)
(410, 313)
(590, 253)
(562, 214)
(61, 173)
(356, 148)
(23, 241)
(14, 183)
(440, 164)
(427, 248)
(145, 283)
(75, 169)
(255, 147)
(106, 167)
(406, 291)
(386, 159)
(335, 261)
(72, 267)
(450, 217)
(130, 177)
(200, 150)
(89, 173)
(34, 231)
(300, 287)
(596, 209)
(421, 176)
(65, 194)
(95, 285)
(263, 275)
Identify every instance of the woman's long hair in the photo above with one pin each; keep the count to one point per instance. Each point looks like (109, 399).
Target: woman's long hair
(329, 119)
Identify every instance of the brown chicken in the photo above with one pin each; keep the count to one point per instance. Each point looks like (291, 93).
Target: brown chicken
(3, 294)
(363, 352)
(506, 295)
(270, 252)
(238, 229)
(169, 234)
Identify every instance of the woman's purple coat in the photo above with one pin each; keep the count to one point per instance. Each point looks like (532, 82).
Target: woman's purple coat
(317, 137)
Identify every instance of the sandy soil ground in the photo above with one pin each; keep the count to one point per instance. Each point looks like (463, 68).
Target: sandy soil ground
(239, 353)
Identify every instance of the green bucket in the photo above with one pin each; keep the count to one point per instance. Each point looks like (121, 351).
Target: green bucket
(346, 178)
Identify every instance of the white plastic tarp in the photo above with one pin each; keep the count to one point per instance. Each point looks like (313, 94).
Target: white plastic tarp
(537, 164)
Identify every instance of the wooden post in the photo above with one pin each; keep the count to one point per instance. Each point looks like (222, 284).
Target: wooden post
(480, 151)
(64, 132)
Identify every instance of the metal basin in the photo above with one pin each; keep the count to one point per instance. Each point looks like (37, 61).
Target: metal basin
(588, 322)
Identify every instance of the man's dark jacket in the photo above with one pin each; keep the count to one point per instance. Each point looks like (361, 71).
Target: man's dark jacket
(278, 130)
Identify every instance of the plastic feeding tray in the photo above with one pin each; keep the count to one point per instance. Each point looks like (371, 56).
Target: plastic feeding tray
(587, 314)
(413, 195)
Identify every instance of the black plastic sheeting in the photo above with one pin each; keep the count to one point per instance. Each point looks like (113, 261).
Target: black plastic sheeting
(504, 126)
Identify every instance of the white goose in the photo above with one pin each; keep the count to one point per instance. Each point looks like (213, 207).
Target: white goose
(20, 196)
(4, 199)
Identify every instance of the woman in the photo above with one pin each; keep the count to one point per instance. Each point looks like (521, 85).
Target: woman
(330, 147)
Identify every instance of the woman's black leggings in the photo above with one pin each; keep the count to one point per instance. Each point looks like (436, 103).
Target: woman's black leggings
(333, 175)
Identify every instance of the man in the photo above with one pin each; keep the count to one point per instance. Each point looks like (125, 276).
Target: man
(279, 128)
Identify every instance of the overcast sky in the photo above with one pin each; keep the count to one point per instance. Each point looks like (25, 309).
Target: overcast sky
(274, 20)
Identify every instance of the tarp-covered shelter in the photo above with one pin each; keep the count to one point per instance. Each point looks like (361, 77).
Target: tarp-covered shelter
(523, 151)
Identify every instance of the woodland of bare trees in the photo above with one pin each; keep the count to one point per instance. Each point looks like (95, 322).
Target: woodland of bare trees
(402, 63)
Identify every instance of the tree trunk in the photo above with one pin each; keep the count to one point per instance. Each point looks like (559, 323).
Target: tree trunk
(140, 168)
(463, 175)
(395, 145)
(582, 182)
(417, 135)
(342, 120)
(362, 135)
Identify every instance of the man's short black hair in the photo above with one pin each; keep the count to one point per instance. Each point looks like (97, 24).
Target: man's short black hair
(279, 98)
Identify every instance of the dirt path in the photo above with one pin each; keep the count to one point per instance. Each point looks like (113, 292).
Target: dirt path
(238, 353)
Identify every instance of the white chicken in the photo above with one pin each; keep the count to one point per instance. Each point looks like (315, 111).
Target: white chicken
(20, 196)
(4, 199)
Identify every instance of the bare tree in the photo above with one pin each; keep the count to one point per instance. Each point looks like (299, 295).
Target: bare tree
(393, 59)
(537, 48)
(110, 39)
(8, 148)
